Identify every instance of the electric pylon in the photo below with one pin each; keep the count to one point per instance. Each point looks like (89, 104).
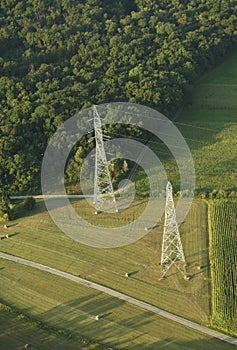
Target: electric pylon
(172, 249)
(102, 181)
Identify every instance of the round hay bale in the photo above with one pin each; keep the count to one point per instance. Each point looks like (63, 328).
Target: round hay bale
(187, 277)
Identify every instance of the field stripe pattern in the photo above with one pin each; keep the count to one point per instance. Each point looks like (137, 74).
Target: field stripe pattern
(124, 297)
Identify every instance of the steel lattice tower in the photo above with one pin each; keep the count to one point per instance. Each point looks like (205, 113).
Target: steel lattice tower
(172, 249)
(102, 181)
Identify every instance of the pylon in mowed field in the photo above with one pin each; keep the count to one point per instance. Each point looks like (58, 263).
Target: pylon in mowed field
(102, 180)
(172, 249)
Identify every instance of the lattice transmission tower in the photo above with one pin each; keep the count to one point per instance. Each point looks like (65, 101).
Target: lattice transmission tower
(172, 249)
(103, 187)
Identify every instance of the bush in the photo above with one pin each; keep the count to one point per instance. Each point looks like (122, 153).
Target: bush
(6, 217)
(29, 203)
(4, 204)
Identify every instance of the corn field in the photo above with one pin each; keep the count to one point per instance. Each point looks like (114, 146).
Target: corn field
(223, 254)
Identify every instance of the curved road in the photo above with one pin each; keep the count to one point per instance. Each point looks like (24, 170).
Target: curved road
(121, 296)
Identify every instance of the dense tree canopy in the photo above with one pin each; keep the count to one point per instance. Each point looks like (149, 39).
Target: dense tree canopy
(57, 57)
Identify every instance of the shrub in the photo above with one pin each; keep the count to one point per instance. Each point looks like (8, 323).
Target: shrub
(29, 203)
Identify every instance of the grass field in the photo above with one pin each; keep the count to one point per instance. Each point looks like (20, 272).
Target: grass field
(209, 126)
(212, 127)
(39, 240)
(71, 307)
(223, 228)
(17, 331)
(52, 300)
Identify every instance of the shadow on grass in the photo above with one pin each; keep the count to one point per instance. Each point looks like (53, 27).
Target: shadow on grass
(40, 207)
(21, 212)
(106, 315)
(13, 234)
(85, 307)
(12, 225)
(124, 332)
(130, 274)
(69, 322)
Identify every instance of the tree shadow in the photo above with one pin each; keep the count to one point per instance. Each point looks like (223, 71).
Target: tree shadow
(77, 319)
(20, 212)
(88, 305)
(40, 207)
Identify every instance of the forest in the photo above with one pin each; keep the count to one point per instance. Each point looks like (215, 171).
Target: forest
(59, 57)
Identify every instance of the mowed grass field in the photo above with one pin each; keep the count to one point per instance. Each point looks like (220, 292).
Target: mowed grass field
(17, 331)
(37, 238)
(68, 306)
(223, 229)
(64, 304)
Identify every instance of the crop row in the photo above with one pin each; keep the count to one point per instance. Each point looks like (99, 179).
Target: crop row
(223, 224)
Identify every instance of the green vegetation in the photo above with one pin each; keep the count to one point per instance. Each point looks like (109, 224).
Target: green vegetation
(4, 206)
(17, 330)
(37, 238)
(61, 304)
(29, 203)
(210, 129)
(223, 227)
(58, 57)
(71, 308)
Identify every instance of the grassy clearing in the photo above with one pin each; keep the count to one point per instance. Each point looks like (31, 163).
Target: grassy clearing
(225, 73)
(209, 126)
(70, 307)
(223, 229)
(212, 127)
(36, 238)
